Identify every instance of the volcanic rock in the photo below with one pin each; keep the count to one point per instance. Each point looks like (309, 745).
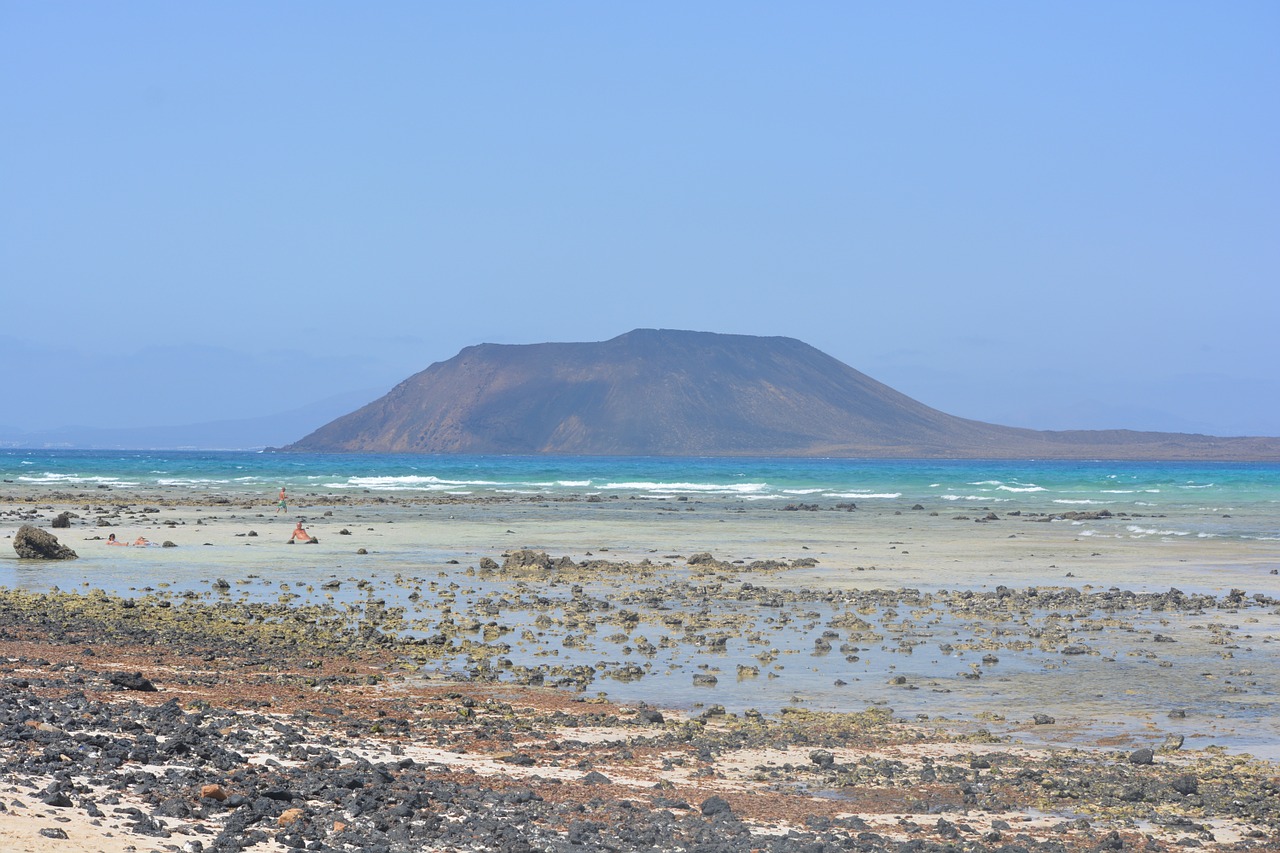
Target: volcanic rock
(32, 543)
(712, 806)
(132, 681)
(1142, 756)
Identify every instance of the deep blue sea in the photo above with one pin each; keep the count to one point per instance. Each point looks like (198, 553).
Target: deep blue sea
(1235, 500)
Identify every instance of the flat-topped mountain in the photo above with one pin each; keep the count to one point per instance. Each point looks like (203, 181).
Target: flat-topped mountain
(675, 393)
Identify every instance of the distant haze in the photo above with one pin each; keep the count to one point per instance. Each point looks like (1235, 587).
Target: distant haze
(1052, 216)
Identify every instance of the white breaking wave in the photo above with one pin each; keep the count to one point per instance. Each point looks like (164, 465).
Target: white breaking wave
(418, 483)
(865, 495)
(702, 488)
(50, 477)
(1151, 531)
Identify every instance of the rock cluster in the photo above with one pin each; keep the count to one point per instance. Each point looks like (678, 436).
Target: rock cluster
(298, 738)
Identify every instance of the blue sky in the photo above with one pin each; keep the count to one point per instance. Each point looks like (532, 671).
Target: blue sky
(1047, 215)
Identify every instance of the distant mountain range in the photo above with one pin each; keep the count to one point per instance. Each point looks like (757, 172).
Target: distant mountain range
(238, 434)
(677, 393)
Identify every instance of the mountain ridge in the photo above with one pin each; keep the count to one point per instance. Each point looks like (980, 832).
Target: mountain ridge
(660, 392)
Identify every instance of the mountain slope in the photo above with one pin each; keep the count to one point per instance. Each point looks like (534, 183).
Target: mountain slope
(662, 392)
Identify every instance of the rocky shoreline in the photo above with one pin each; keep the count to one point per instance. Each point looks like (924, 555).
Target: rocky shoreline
(268, 727)
(887, 680)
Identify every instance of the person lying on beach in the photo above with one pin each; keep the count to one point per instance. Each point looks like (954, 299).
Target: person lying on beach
(301, 535)
(141, 542)
(112, 540)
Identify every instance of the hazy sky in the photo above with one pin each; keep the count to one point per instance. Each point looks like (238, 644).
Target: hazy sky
(1047, 215)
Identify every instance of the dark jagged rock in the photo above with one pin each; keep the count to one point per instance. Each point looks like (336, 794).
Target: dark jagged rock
(712, 806)
(32, 543)
(822, 757)
(132, 681)
(1142, 756)
(525, 559)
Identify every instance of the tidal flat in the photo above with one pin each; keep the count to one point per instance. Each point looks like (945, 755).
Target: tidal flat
(636, 674)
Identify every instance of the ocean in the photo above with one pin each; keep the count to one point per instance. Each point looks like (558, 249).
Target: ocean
(1204, 528)
(1213, 499)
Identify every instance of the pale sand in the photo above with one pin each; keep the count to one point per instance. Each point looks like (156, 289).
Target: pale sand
(20, 831)
(871, 548)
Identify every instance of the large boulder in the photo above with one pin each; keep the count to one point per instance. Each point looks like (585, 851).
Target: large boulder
(32, 543)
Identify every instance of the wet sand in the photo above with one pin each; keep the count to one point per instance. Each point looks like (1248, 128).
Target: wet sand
(1039, 640)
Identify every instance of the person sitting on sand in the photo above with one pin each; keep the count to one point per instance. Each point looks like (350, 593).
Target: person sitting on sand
(112, 540)
(301, 535)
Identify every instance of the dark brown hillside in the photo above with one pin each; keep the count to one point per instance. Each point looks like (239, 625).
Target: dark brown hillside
(676, 393)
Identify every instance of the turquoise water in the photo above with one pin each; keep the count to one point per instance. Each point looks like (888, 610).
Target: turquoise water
(1228, 685)
(1226, 499)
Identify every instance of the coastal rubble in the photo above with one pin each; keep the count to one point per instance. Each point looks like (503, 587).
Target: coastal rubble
(346, 705)
(259, 736)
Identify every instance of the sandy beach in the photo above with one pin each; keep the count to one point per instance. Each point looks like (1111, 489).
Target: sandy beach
(948, 675)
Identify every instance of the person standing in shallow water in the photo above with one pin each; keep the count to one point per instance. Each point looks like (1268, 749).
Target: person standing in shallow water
(283, 505)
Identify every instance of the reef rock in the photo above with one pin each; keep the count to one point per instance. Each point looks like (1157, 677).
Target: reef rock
(32, 543)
